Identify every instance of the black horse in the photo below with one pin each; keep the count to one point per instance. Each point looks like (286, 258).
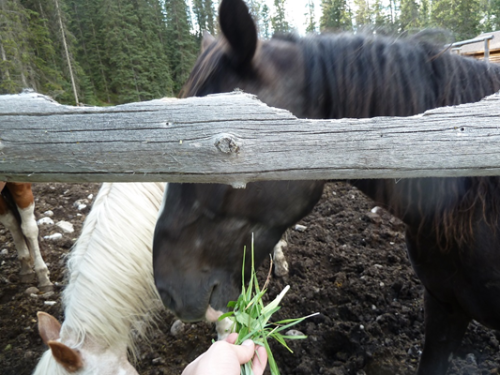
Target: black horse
(453, 224)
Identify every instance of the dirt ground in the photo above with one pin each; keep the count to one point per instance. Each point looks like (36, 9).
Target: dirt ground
(349, 264)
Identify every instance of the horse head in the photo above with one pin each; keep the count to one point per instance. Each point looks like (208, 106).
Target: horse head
(200, 238)
(89, 358)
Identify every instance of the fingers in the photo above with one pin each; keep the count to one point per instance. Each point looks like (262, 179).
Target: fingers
(259, 361)
(232, 338)
(245, 351)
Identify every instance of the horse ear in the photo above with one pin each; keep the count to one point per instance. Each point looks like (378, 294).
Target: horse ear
(48, 327)
(69, 358)
(206, 40)
(239, 29)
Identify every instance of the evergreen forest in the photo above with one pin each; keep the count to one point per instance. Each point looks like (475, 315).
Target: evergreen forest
(107, 52)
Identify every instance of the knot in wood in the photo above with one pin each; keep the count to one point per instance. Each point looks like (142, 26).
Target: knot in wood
(227, 144)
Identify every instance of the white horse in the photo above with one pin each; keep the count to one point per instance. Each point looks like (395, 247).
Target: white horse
(110, 297)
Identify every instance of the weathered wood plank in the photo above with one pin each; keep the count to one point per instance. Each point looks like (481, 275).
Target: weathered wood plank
(234, 138)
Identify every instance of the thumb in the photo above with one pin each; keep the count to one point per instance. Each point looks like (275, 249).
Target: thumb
(245, 351)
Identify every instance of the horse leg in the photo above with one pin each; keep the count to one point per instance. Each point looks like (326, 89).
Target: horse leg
(444, 330)
(23, 197)
(279, 260)
(8, 219)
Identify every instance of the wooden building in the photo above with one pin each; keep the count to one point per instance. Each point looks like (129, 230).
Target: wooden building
(477, 49)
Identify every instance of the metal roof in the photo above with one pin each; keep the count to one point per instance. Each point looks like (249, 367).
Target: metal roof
(478, 47)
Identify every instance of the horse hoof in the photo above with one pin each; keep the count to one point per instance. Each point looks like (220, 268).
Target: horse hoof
(27, 278)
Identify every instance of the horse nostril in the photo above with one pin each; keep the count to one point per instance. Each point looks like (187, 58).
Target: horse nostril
(167, 299)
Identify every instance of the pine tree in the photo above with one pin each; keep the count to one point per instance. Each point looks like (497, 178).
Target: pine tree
(86, 27)
(362, 16)
(336, 16)
(491, 19)
(14, 47)
(265, 29)
(181, 45)
(410, 16)
(255, 7)
(131, 58)
(445, 14)
(310, 17)
(424, 14)
(278, 21)
(204, 13)
(31, 51)
(381, 20)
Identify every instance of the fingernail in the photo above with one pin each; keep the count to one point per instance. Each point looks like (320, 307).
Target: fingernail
(247, 343)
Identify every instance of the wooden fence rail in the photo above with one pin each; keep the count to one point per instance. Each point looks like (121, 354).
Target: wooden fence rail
(234, 138)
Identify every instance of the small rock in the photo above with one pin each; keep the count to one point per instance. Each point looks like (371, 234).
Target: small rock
(49, 303)
(53, 237)
(90, 197)
(300, 228)
(49, 213)
(31, 290)
(382, 284)
(177, 328)
(33, 295)
(45, 221)
(28, 354)
(46, 295)
(375, 210)
(4, 252)
(66, 226)
(294, 332)
(471, 358)
(81, 204)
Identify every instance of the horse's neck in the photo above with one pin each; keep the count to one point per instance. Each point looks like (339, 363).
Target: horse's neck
(111, 288)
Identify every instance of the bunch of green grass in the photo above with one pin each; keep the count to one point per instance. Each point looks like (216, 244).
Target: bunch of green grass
(251, 319)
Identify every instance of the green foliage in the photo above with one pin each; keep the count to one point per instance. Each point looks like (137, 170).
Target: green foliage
(265, 30)
(336, 16)
(310, 20)
(181, 45)
(363, 14)
(255, 8)
(204, 13)
(252, 319)
(461, 17)
(278, 21)
(409, 18)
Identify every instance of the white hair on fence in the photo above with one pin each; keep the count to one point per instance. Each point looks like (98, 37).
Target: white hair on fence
(111, 297)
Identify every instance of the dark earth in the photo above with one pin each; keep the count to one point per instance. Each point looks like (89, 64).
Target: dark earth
(349, 264)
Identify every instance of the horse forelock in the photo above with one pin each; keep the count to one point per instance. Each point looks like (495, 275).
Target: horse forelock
(111, 293)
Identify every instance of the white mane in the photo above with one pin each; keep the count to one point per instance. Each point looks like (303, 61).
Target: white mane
(111, 292)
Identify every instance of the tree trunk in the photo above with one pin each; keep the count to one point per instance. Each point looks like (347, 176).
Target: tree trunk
(67, 52)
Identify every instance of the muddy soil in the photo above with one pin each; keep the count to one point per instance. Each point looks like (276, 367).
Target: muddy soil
(349, 264)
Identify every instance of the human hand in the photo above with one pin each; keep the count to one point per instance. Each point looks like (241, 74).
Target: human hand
(225, 358)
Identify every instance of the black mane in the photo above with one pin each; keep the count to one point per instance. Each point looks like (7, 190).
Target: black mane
(360, 76)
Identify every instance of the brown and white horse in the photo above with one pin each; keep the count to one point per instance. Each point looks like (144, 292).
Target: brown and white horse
(17, 214)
